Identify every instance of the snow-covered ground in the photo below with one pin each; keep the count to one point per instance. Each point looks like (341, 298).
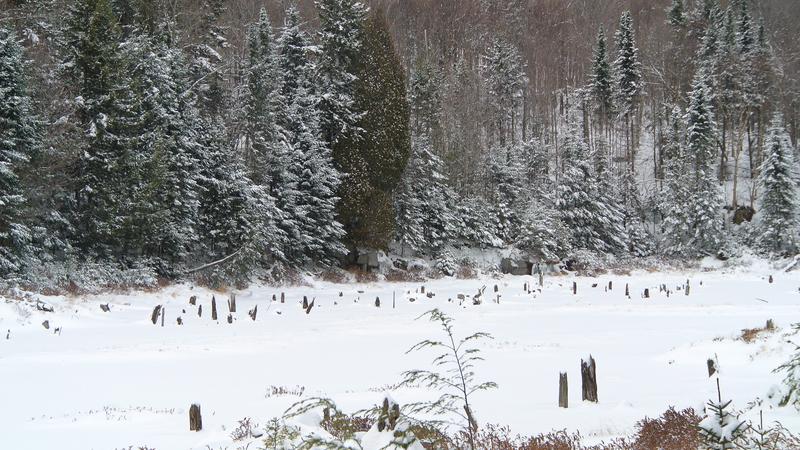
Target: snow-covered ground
(112, 380)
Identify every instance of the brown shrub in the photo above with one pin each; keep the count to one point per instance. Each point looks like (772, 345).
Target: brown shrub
(466, 273)
(749, 335)
(334, 276)
(674, 430)
(403, 276)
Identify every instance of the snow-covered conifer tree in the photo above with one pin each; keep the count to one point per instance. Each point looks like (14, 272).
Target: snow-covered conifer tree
(601, 78)
(705, 201)
(315, 228)
(340, 35)
(627, 67)
(778, 202)
(19, 138)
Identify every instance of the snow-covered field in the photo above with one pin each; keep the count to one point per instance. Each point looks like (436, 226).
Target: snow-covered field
(112, 380)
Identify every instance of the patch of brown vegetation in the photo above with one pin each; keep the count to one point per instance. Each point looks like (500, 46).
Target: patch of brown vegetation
(750, 335)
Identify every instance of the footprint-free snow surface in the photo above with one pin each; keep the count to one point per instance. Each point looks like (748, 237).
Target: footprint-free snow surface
(110, 380)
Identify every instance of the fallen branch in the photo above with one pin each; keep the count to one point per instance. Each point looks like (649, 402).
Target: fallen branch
(214, 263)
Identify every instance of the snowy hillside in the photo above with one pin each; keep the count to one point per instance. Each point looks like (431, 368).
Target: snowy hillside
(114, 379)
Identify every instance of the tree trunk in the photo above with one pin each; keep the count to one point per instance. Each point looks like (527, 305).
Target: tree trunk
(589, 380)
(563, 391)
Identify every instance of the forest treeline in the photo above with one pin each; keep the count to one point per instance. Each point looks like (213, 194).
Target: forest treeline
(244, 137)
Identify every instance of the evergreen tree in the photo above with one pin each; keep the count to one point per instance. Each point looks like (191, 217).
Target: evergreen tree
(745, 31)
(19, 139)
(373, 165)
(677, 219)
(318, 233)
(676, 14)
(425, 219)
(705, 202)
(594, 223)
(627, 68)
(105, 111)
(790, 392)
(778, 202)
(341, 36)
(264, 106)
(601, 81)
(721, 429)
(505, 82)
(206, 61)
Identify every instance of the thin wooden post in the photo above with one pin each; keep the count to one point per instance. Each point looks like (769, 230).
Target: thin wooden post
(563, 391)
(574, 288)
(232, 303)
(377, 302)
(213, 308)
(627, 291)
(647, 293)
(155, 314)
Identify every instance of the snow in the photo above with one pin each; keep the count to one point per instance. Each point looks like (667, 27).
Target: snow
(113, 380)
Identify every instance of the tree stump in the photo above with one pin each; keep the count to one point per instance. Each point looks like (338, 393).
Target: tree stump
(770, 324)
(310, 306)
(377, 302)
(563, 391)
(496, 288)
(253, 313)
(46, 324)
(610, 286)
(232, 303)
(771, 279)
(105, 308)
(422, 289)
(627, 291)
(163, 313)
(283, 297)
(712, 367)
(305, 302)
(155, 314)
(686, 291)
(193, 300)
(180, 321)
(574, 288)
(199, 310)
(195, 419)
(589, 380)
(230, 318)
(213, 308)
(647, 293)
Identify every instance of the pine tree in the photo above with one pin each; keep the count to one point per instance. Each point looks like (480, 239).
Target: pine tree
(677, 219)
(721, 429)
(374, 164)
(745, 32)
(318, 233)
(627, 67)
(594, 223)
(19, 139)
(341, 39)
(505, 82)
(425, 220)
(264, 106)
(676, 14)
(105, 111)
(705, 202)
(778, 203)
(206, 61)
(601, 81)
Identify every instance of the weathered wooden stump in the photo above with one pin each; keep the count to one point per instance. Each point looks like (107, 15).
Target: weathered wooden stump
(274, 298)
(574, 288)
(253, 313)
(199, 310)
(305, 302)
(283, 297)
(232, 303)
(155, 314)
(496, 288)
(422, 289)
(686, 289)
(195, 418)
(310, 306)
(377, 302)
(589, 380)
(213, 308)
(525, 287)
(180, 321)
(46, 324)
(712, 367)
(541, 279)
(163, 314)
(627, 291)
(610, 285)
(105, 308)
(230, 318)
(563, 391)
(193, 300)
(771, 279)
(770, 324)
(646, 293)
